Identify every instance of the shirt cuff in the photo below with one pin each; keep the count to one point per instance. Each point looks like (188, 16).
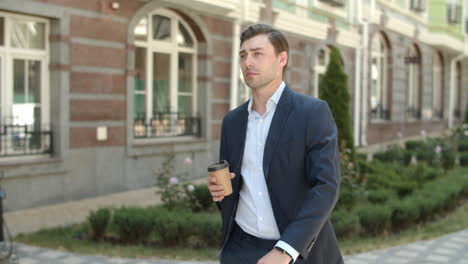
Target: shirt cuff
(286, 247)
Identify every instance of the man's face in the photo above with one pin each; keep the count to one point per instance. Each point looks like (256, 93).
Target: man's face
(259, 62)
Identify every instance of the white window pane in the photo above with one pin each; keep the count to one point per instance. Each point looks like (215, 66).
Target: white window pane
(183, 37)
(141, 30)
(161, 28)
(26, 114)
(28, 35)
(161, 82)
(185, 72)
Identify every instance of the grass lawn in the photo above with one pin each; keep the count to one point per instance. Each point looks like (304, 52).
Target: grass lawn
(63, 239)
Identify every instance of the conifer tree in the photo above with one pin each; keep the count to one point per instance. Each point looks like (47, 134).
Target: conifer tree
(334, 90)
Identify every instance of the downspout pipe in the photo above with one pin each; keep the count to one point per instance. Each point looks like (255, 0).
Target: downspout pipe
(357, 77)
(234, 92)
(453, 68)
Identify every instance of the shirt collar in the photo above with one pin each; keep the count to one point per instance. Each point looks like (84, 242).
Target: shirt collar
(273, 99)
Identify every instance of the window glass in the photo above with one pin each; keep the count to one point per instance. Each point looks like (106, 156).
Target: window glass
(27, 34)
(34, 81)
(141, 30)
(2, 31)
(185, 72)
(183, 37)
(140, 84)
(161, 82)
(161, 28)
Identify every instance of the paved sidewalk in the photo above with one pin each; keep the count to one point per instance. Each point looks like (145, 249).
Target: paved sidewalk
(450, 249)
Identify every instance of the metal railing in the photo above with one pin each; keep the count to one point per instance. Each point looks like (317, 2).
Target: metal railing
(378, 113)
(413, 113)
(18, 140)
(167, 124)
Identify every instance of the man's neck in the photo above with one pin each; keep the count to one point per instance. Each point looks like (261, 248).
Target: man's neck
(261, 96)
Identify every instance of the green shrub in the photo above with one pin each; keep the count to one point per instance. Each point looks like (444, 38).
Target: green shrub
(345, 223)
(464, 159)
(404, 213)
(374, 219)
(134, 225)
(420, 173)
(207, 227)
(380, 196)
(200, 198)
(463, 146)
(386, 176)
(448, 156)
(394, 154)
(173, 227)
(98, 221)
(414, 144)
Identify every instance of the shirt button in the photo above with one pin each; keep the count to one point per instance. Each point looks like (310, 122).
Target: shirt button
(260, 193)
(260, 218)
(260, 120)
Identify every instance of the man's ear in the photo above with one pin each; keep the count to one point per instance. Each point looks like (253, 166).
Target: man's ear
(283, 58)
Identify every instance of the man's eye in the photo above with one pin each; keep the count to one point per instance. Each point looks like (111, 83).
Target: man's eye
(257, 53)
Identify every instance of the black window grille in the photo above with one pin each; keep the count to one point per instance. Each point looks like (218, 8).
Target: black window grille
(19, 140)
(167, 124)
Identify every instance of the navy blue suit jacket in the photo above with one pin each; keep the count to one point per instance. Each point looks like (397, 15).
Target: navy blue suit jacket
(301, 168)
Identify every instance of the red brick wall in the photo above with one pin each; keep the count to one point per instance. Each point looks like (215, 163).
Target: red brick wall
(82, 137)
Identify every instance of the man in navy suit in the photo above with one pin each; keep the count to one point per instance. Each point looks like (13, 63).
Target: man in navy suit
(283, 146)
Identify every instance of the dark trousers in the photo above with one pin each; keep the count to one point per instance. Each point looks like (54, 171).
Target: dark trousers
(243, 248)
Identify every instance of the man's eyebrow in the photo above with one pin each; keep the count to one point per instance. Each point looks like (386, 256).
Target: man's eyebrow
(254, 49)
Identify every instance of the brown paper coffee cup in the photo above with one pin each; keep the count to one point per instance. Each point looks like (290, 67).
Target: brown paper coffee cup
(220, 171)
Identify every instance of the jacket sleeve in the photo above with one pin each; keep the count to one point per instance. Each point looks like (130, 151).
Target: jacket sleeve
(323, 176)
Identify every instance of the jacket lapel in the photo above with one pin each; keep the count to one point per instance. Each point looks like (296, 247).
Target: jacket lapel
(242, 132)
(276, 128)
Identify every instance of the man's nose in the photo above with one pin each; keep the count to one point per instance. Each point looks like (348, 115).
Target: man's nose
(248, 61)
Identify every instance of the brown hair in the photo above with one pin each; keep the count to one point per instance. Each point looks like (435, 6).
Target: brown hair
(275, 37)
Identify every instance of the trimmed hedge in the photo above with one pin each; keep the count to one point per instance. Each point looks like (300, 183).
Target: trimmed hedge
(464, 158)
(345, 223)
(374, 219)
(134, 225)
(98, 222)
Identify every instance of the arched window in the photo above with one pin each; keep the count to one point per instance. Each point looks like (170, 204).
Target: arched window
(413, 62)
(437, 87)
(165, 88)
(378, 79)
(321, 63)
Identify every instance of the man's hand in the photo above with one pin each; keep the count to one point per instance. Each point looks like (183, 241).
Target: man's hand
(216, 190)
(275, 257)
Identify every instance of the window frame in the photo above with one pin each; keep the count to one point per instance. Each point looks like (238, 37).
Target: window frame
(413, 112)
(171, 48)
(437, 88)
(320, 69)
(382, 90)
(8, 54)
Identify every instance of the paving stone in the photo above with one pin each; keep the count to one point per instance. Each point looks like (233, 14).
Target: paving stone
(438, 258)
(73, 260)
(52, 254)
(408, 254)
(28, 261)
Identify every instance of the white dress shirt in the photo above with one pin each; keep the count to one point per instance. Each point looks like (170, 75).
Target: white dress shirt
(254, 211)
